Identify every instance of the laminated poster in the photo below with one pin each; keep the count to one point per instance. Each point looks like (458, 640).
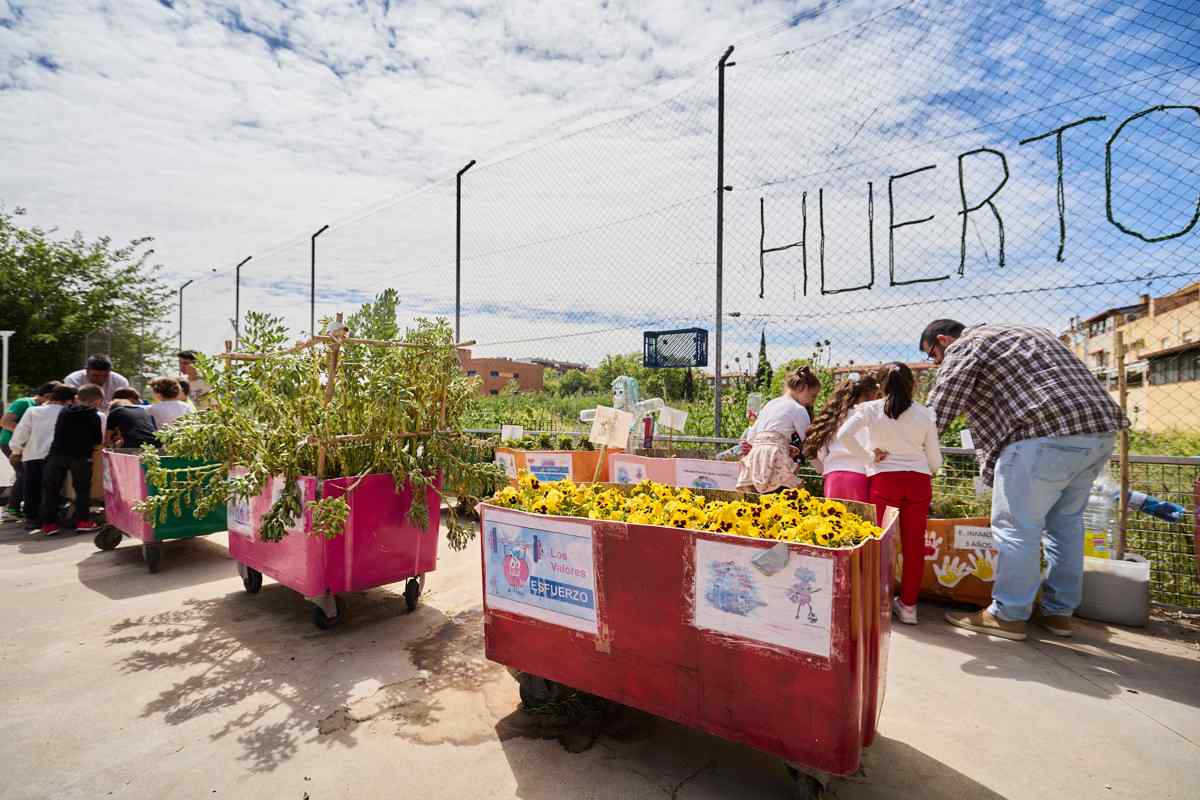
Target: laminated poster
(697, 473)
(509, 462)
(626, 470)
(792, 608)
(237, 514)
(549, 467)
(540, 568)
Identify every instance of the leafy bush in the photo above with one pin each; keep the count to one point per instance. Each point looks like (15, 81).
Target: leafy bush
(394, 410)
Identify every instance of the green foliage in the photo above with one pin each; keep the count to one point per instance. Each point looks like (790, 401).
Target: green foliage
(1166, 443)
(575, 382)
(57, 291)
(764, 375)
(403, 405)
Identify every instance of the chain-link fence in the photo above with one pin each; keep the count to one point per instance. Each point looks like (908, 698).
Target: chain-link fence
(883, 165)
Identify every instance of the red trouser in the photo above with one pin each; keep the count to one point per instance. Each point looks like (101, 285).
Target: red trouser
(911, 493)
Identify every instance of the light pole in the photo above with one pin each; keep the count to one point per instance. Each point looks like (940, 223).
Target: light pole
(181, 288)
(5, 335)
(312, 285)
(458, 251)
(237, 300)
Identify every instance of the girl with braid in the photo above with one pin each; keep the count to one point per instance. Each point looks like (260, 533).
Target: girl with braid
(845, 473)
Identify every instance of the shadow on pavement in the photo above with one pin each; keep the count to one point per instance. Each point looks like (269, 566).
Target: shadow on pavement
(121, 573)
(259, 668)
(628, 752)
(1099, 660)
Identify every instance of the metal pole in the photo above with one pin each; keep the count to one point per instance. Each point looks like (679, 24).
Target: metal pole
(458, 251)
(312, 285)
(720, 231)
(181, 288)
(237, 299)
(5, 335)
(1123, 453)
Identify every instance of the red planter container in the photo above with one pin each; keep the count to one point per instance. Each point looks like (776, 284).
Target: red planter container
(681, 624)
(378, 546)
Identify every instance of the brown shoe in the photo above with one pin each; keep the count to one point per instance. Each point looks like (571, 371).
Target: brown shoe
(985, 622)
(1058, 624)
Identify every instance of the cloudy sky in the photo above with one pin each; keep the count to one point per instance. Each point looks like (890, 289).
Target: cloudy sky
(228, 129)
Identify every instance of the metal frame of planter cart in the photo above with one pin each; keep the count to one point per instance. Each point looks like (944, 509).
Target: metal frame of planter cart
(792, 662)
(124, 487)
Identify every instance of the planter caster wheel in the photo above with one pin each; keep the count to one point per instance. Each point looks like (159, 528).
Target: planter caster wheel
(804, 785)
(324, 620)
(107, 538)
(152, 555)
(412, 592)
(536, 691)
(251, 578)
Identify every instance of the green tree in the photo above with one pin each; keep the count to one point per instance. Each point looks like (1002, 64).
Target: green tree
(57, 291)
(573, 382)
(762, 379)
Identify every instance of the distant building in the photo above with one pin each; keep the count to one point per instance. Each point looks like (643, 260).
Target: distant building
(497, 373)
(1162, 362)
(559, 366)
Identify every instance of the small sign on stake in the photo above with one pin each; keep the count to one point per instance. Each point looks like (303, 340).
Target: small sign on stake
(672, 418)
(511, 433)
(610, 427)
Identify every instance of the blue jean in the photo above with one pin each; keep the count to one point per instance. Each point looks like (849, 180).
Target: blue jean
(1042, 487)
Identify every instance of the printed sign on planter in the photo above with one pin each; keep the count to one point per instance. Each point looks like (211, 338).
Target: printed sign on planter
(549, 467)
(509, 462)
(541, 569)
(697, 473)
(792, 608)
(626, 469)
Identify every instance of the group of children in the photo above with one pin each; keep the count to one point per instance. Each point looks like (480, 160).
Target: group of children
(872, 442)
(55, 434)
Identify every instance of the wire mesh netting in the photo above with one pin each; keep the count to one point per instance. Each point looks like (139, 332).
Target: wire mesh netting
(884, 165)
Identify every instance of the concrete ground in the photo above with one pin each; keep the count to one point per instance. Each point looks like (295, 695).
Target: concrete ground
(117, 683)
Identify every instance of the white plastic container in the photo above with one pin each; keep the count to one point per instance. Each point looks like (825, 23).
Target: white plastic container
(1116, 591)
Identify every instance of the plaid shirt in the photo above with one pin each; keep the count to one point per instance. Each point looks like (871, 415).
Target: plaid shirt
(1016, 383)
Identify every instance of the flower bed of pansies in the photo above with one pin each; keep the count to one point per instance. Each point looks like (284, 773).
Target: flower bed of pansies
(792, 515)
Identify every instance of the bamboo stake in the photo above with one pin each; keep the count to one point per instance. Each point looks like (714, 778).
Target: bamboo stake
(330, 382)
(600, 462)
(1123, 458)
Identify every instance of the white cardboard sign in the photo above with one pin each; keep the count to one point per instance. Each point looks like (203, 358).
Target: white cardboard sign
(672, 418)
(972, 537)
(511, 433)
(611, 427)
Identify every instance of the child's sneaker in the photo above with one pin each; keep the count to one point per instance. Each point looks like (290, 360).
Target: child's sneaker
(906, 614)
(86, 525)
(50, 528)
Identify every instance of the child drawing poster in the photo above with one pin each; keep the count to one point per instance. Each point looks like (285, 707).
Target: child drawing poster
(509, 462)
(540, 568)
(626, 469)
(791, 608)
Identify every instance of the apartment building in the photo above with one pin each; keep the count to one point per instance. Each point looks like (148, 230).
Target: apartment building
(497, 373)
(1162, 362)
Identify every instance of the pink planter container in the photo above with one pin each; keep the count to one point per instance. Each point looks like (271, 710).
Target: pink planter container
(378, 546)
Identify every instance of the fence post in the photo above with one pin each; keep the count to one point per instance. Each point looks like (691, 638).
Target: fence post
(458, 251)
(720, 232)
(1123, 399)
(237, 300)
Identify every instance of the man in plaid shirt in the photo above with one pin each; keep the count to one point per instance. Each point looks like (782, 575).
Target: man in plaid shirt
(1044, 429)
